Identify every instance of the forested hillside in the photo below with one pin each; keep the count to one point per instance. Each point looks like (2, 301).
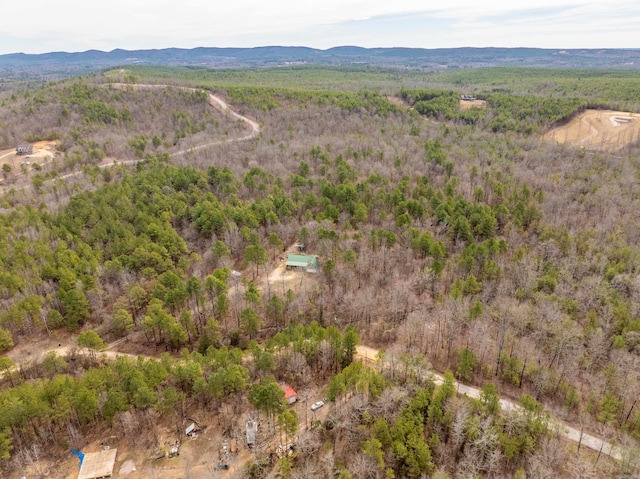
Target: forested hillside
(454, 240)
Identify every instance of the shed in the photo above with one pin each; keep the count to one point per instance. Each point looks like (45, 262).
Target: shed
(289, 394)
(98, 465)
(25, 149)
(307, 261)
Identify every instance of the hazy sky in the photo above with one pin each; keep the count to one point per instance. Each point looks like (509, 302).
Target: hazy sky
(38, 26)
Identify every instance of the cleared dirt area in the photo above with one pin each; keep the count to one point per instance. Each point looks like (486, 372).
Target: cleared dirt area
(43, 152)
(395, 100)
(469, 104)
(198, 456)
(280, 279)
(599, 129)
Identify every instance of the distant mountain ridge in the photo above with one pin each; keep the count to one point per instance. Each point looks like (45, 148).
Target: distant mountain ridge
(64, 63)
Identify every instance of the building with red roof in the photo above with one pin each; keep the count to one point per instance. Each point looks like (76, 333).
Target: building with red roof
(289, 394)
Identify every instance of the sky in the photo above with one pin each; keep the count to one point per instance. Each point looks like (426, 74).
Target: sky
(40, 26)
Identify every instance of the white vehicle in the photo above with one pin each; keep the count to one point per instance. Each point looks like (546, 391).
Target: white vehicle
(317, 405)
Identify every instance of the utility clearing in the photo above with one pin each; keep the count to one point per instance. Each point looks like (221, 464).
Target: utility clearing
(599, 130)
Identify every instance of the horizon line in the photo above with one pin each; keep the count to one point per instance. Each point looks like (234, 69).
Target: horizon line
(318, 49)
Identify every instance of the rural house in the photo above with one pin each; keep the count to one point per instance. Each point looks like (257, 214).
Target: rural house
(308, 262)
(24, 149)
(289, 394)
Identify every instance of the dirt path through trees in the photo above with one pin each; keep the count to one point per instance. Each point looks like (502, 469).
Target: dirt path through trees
(65, 347)
(216, 102)
(370, 356)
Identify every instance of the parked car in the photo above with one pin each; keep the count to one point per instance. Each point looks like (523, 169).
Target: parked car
(317, 405)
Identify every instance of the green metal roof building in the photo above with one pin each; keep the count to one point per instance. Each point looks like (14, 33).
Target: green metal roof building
(307, 261)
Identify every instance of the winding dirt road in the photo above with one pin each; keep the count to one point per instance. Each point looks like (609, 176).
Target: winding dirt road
(593, 131)
(214, 101)
(370, 355)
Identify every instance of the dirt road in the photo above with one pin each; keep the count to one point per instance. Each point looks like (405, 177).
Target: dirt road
(370, 355)
(214, 101)
(21, 360)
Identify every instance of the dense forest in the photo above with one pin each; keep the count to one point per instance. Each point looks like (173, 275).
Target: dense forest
(454, 241)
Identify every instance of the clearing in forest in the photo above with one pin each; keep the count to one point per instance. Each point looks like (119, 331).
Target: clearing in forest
(599, 129)
(469, 104)
(43, 152)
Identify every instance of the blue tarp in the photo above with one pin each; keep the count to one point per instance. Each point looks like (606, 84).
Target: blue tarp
(80, 455)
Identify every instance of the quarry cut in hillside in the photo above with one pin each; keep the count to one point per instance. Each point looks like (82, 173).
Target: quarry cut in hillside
(599, 129)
